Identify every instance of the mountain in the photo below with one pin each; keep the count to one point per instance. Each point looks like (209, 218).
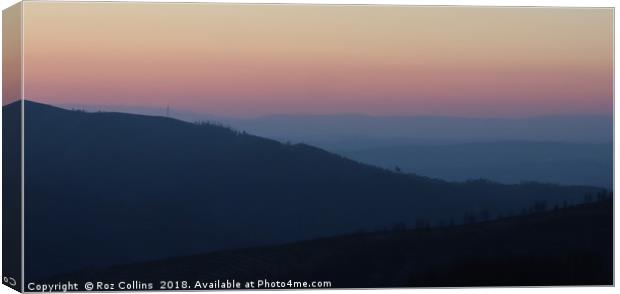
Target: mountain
(350, 131)
(115, 188)
(506, 162)
(535, 249)
(553, 149)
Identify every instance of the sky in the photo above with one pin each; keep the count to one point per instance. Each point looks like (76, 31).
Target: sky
(253, 60)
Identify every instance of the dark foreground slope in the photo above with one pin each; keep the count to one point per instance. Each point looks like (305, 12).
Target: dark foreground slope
(113, 188)
(568, 246)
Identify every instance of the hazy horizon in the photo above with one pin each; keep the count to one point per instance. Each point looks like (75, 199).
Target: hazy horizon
(130, 108)
(338, 130)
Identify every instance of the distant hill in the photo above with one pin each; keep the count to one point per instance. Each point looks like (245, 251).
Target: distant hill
(115, 188)
(506, 162)
(566, 149)
(563, 246)
(349, 131)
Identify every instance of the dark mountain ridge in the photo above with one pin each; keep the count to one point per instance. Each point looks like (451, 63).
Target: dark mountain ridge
(561, 149)
(114, 188)
(341, 130)
(558, 246)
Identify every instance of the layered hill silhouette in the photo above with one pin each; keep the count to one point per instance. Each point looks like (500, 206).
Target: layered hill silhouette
(562, 149)
(113, 188)
(561, 246)
(505, 162)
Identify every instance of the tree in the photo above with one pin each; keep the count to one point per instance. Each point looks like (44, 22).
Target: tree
(399, 227)
(469, 218)
(539, 206)
(485, 215)
(422, 224)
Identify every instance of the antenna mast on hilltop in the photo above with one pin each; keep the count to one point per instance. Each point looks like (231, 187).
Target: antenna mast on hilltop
(167, 111)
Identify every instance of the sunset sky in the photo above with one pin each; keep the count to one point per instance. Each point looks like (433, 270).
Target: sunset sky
(252, 60)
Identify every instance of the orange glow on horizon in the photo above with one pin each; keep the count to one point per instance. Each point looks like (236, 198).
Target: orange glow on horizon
(249, 60)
